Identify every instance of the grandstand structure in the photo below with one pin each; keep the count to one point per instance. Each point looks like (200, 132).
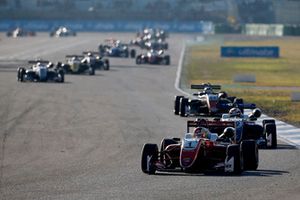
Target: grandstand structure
(218, 11)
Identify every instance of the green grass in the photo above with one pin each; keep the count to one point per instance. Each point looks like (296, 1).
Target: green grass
(204, 64)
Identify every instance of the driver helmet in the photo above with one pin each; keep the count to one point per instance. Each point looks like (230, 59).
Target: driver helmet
(229, 132)
(235, 112)
(89, 54)
(58, 64)
(222, 95)
(38, 64)
(201, 132)
(50, 64)
(208, 90)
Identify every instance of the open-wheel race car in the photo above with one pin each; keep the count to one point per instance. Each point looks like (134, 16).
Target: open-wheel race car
(20, 32)
(62, 31)
(208, 102)
(88, 62)
(41, 71)
(213, 145)
(115, 48)
(153, 57)
(264, 134)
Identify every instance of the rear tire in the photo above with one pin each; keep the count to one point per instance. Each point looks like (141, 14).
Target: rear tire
(132, 53)
(62, 76)
(106, 65)
(149, 156)
(183, 105)
(177, 104)
(138, 60)
(271, 135)
(91, 71)
(250, 154)
(21, 73)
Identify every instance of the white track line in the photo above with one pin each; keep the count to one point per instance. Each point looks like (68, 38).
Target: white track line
(286, 132)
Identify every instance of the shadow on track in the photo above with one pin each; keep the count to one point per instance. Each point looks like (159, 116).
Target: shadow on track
(259, 172)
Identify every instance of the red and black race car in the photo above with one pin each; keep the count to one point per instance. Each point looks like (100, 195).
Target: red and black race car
(153, 57)
(203, 150)
(208, 102)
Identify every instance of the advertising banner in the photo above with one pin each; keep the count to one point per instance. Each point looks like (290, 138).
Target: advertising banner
(256, 52)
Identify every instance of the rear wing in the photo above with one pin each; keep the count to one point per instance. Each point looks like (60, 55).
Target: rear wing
(78, 56)
(205, 85)
(216, 125)
(38, 61)
(92, 52)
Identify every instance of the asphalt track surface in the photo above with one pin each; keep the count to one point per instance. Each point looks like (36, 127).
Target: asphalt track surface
(83, 139)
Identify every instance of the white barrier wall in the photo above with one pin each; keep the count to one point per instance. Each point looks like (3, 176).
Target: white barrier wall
(264, 29)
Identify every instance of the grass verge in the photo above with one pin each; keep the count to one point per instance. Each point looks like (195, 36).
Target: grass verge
(276, 79)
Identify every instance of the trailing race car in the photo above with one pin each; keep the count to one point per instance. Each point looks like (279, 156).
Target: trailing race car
(265, 135)
(62, 31)
(41, 71)
(115, 48)
(203, 150)
(208, 102)
(79, 64)
(20, 32)
(153, 57)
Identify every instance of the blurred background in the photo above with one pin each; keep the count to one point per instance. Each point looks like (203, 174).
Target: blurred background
(218, 11)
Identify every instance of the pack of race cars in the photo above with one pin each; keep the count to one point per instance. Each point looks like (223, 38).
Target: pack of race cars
(222, 138)
(152, 41)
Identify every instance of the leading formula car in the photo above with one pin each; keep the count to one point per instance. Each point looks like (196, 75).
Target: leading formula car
(203, 150)
(153, 57)
(41, 71)
(208, 102)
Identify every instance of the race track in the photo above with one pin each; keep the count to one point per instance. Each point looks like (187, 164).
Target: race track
(83, 139)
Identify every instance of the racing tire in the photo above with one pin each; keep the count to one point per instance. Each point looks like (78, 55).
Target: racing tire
(149, 156)
(132, 53)
(183, 105)
(234, 151)
(271, 135)
(138, 60)
(106, 65)
(250, 154)
(167, 60)
(91, 71)
(177, 104)
(166, 46)
(62, 75)
(21, 73)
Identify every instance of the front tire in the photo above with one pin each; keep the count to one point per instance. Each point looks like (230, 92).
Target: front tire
(149, 156)
(234, 152)
(271, 135)
(250, 154)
